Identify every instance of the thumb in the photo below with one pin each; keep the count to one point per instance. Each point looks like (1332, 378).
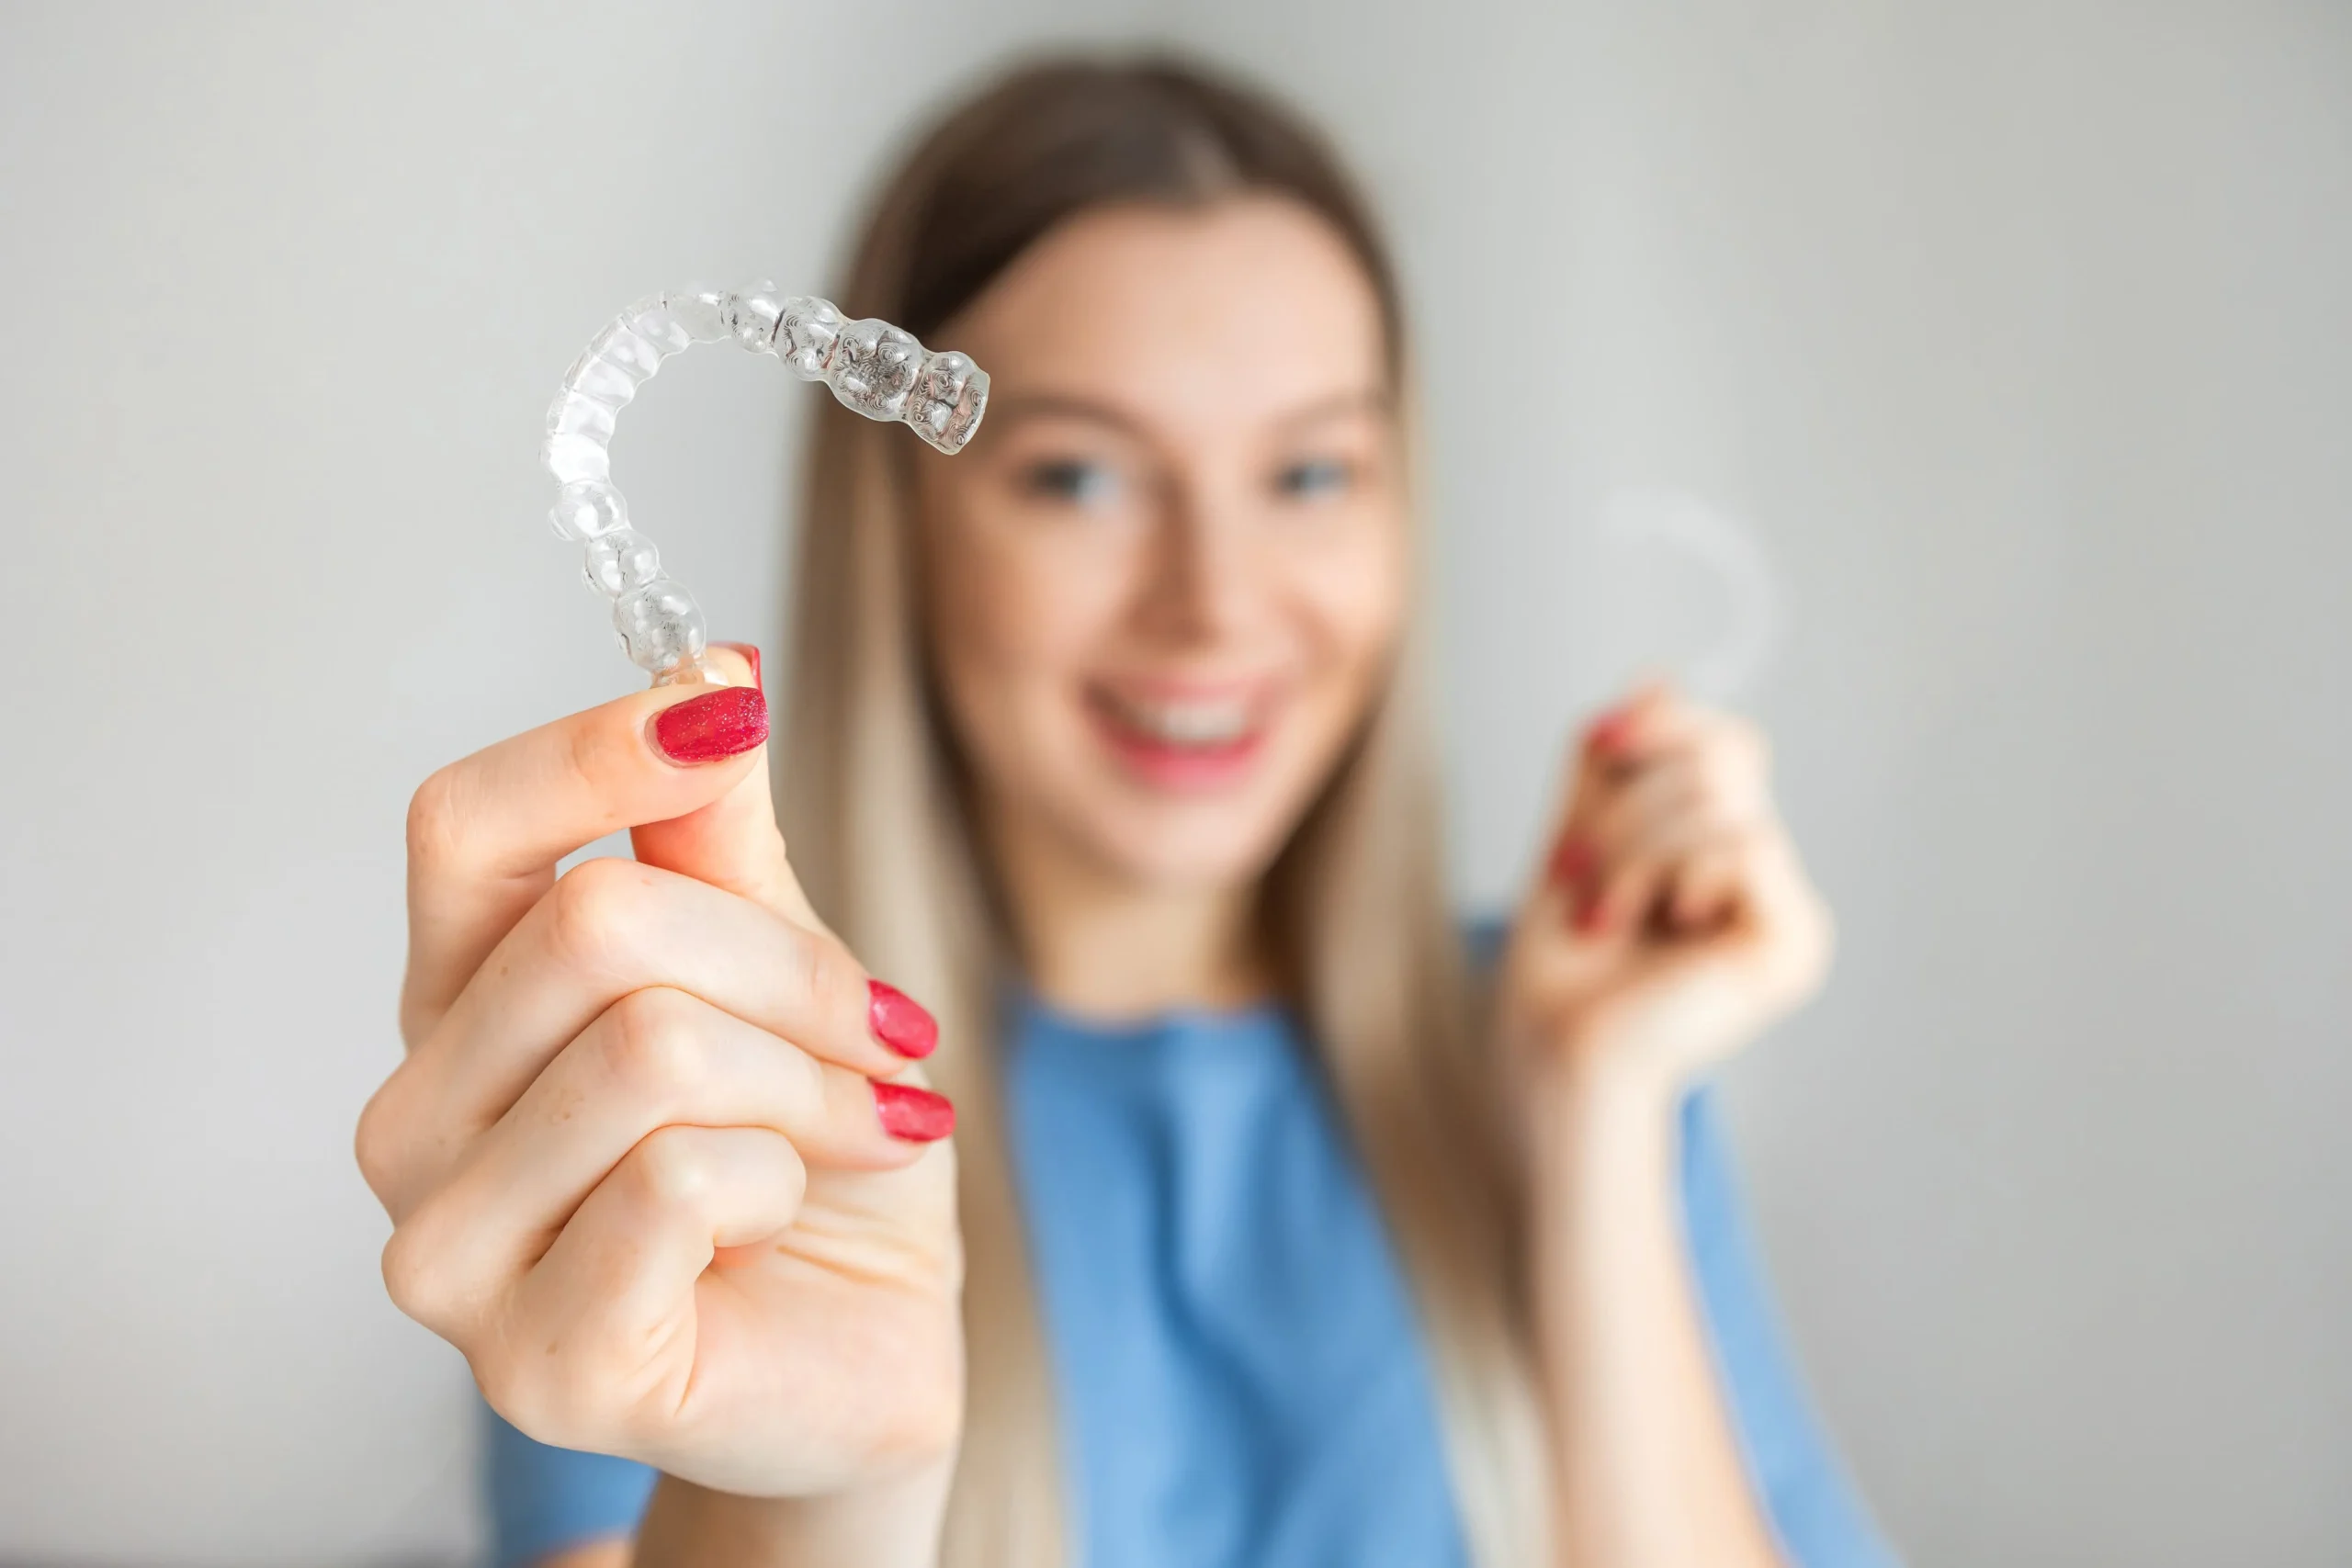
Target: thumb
(733, 842)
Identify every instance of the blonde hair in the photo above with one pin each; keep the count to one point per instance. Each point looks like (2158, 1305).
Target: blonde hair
(874, 806)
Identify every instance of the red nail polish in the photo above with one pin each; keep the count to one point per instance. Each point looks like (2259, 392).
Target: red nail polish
(1609, 733)
(1572, 862)
(750, 652)
(899, 1021)
(915, 1115)
(718, 724)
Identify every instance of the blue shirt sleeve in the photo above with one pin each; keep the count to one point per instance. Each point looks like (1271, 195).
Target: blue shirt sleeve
(544, 1499)
(1814, 1510)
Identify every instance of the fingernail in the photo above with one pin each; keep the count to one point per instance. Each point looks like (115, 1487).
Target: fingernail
(724, 723)
(899, 1021)
(1610, 732)
(751, 653)
(915, 1115)
(1571, 861)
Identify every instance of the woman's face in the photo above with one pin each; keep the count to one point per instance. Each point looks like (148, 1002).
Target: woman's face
(1166, 578)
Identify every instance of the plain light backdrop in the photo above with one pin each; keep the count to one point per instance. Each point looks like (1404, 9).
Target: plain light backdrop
(2013, 339)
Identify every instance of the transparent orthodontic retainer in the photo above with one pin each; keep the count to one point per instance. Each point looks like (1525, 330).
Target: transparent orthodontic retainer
(873, 368)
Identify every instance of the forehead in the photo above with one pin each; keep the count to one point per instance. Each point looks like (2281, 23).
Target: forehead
(1184, 319)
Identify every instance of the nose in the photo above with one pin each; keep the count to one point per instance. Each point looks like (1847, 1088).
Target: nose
(1204, 580)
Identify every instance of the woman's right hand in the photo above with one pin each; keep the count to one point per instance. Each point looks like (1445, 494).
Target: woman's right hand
(641, 1159)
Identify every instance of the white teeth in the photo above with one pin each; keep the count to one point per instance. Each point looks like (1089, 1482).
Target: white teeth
(1186, 723)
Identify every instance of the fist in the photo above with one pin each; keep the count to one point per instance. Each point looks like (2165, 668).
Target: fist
(1671, 920)
(659, 1160)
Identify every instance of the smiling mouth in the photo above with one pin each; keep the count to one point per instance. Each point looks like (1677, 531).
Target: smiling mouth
(1202, 725)
(1186, 741)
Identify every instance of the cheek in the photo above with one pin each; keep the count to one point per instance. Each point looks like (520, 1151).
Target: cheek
(1011, 628)
(1351, 598)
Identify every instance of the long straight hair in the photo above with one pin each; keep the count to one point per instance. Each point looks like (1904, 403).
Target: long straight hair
(876, 806)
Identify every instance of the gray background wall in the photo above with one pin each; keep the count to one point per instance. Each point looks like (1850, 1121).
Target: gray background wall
(2018, 335)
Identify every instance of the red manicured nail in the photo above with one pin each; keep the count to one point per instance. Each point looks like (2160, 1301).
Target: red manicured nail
(915, 1115)
(1609, 733)
(899, 1021)
(1572, 862)
(751, 653)
(718, 724)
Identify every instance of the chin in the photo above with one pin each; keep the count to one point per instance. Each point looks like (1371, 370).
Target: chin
(1190, 857)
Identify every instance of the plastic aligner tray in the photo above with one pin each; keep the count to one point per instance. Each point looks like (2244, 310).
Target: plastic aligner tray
(873, 368)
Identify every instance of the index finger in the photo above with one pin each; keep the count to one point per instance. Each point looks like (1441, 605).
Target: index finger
(484, 833)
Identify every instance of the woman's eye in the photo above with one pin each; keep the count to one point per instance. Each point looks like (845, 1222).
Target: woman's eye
(1072, 480)
(1315, 478)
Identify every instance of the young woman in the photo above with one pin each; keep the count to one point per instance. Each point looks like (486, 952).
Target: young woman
(1278, 1228)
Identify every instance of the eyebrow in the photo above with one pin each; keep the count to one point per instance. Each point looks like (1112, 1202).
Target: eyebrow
(1067, 405)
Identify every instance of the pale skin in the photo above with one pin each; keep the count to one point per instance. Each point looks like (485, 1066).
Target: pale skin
(632, 1158)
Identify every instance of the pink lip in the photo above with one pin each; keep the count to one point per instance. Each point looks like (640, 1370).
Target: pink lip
(1163, 765)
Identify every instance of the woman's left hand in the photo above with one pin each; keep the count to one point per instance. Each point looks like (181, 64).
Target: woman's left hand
(1672, 921)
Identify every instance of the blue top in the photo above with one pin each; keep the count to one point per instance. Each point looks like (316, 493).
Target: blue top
(1240, 1377)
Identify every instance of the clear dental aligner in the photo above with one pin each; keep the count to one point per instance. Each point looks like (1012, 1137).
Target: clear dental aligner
(873, 367)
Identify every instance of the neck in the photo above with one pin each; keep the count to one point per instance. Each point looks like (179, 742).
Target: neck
(1100, 946)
